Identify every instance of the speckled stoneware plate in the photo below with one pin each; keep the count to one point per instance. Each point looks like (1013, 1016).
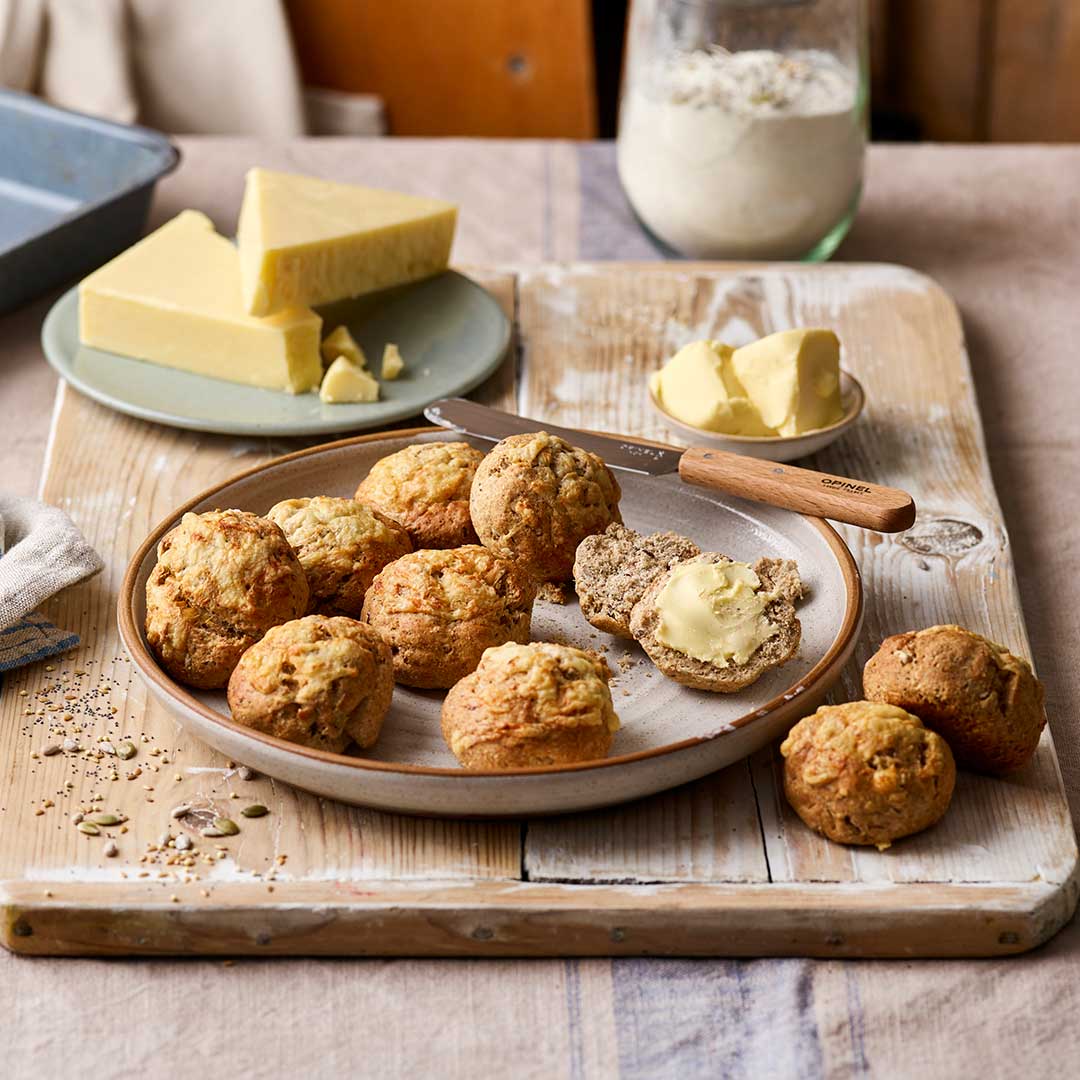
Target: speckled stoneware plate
(670, 734)
(451, 332)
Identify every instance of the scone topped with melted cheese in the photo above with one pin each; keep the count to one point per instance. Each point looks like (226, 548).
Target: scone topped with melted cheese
(342, 544)
(425, 488)
(222, 579)
(322, 681)
(529, 705)
(440, 609)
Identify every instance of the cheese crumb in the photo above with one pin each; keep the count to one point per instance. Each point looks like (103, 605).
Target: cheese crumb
(345, 382)
(341, 343)
(392, 363)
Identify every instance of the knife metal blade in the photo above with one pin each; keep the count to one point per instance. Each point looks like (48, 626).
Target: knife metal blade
(493, 425)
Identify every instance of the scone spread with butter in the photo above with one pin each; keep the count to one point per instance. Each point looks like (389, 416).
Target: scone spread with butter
(342, 544)
(613, 570)
(536, 497)
(719, 625)
(425, 489)
(529, 705)
(440, 609)
(867, 773)
(321, 681)
(986, 702)
(222, 579)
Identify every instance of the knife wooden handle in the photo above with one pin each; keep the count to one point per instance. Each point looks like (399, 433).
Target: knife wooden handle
(854, 502)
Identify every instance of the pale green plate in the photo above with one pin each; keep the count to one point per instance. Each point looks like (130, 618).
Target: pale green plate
(451, 332)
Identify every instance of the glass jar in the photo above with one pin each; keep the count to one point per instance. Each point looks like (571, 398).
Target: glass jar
(742, 124)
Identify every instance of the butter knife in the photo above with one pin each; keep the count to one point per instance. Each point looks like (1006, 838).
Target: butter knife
(855, 502)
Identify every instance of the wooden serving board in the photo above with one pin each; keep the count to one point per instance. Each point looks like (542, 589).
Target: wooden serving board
(721, 866)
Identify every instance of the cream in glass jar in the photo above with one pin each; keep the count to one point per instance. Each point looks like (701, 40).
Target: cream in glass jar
(755, 153)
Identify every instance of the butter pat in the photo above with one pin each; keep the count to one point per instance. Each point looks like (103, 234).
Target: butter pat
(784, 384)
(174, 299)
(305, 241)
(341, 343)
(344, 382)
(698, 387)
(714, 612)
(392, 363)
(793, 378)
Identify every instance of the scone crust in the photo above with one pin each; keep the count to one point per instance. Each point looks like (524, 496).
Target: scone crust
(536, 497)
(867, 773)
(425, 488)
(779, 575)
(321, 681)
(440, 609)
(341, 544)
(986, 702)
(530, 705)
(222, 579)
(614, 569)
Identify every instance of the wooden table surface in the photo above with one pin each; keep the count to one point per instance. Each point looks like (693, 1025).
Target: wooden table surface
(1000, 229)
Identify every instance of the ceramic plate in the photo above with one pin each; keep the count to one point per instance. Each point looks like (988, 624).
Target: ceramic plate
(670, 734)
(451, 332)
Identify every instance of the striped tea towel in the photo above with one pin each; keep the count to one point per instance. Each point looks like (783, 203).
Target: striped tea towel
(41, 552)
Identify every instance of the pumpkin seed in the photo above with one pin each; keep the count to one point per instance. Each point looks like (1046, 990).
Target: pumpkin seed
(89, 828)
(255, 810)
(104, 819)
(227, 826)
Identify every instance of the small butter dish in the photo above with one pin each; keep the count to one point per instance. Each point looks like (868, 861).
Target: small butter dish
(775, 447)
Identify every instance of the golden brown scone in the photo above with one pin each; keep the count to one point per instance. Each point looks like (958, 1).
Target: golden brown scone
(777, 576)
(222, 579)
(320, 681)
(613, 570)
(536, 497)
(985, 702)
(342, 544)
(440, 609)
(867, 773)
(425, 489)
(528, 705)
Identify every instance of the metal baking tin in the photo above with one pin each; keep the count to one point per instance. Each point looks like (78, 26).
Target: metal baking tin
(74, 191)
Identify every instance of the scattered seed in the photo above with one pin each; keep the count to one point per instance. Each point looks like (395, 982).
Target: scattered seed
(255, 810)
(89, 828)
(71, 746)
(164, 838)
(104, 819)
(904, 657)
(76, 818)
(110, 850)
(126, 750)
(183, 842)
(180, 811)
(108, 748)
(210, 830)
(52, 749)
(227, 826)
(245, 773)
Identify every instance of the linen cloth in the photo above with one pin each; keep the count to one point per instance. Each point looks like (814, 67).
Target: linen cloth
(999, 228)
(41, 552)
(212, 66)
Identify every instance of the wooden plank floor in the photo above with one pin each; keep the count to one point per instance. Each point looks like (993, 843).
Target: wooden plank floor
(721, 865)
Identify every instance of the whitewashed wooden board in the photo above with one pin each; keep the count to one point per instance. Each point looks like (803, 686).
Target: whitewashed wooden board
(719, 867)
